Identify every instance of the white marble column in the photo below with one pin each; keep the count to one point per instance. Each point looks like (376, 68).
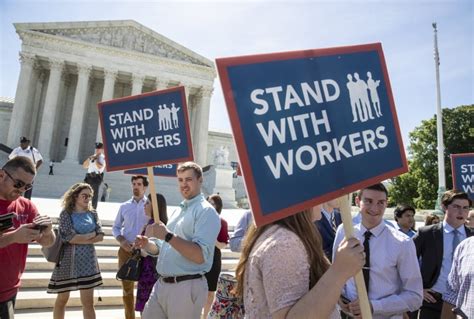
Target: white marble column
(35, 114)
(50, 109)
(107, 94)
(77, 118)
(23, 91)
(186, 96)
(202, 127)
(137, 84)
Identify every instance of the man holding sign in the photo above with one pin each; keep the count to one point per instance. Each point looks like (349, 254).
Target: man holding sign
(391, 271)
(186, 248)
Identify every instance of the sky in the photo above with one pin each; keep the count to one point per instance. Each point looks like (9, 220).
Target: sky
(225, 28)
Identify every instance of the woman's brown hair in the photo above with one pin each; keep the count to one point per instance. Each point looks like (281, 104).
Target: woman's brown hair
(302, 225)
(69, 198)
(217, 201)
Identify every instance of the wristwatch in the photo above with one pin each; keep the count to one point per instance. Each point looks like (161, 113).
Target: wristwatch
(168, 237)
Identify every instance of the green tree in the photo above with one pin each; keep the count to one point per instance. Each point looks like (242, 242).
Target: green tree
(419, 186)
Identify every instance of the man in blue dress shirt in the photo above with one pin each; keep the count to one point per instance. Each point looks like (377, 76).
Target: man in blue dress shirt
(186, 249)
(128, 224)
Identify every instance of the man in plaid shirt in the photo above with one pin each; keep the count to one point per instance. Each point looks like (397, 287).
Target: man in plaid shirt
(459, 298)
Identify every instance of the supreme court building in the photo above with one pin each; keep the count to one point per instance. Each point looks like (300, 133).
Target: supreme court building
(68, 67)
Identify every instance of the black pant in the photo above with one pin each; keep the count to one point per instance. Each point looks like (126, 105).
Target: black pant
(94, 180)
(28, 193)
(432, 310)
(7, 308)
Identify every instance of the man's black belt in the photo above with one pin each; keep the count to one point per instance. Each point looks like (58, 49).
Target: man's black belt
(175, 280)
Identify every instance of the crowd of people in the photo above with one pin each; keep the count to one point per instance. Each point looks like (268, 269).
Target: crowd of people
(301, 266)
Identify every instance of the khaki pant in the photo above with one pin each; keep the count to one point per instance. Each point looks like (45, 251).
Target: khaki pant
(127, 287)
(183, 300)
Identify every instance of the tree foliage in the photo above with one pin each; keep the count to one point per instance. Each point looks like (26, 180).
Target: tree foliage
(419, 186)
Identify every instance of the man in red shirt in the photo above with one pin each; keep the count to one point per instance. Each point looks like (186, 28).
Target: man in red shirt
(16, 177)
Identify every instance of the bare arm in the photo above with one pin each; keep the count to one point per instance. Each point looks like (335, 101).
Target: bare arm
(188, 249)
(97, 238)
(143, 242)
(46, 238)
(85, 164)
(22, 235)
(83, 239)
(124, 243)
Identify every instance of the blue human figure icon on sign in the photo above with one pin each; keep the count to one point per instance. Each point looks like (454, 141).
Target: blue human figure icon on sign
(374, 96)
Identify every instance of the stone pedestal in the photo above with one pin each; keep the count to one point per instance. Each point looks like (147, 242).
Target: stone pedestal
(223, 185)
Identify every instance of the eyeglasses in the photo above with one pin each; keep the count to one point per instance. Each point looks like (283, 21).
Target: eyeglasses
(18, 183)
(86, 196)
(458, 207)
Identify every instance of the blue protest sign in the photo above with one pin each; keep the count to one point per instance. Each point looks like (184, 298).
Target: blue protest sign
(168, 170)
(311, 125)
(462, 166)
(146, 130)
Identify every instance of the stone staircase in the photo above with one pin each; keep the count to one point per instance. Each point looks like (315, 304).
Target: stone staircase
(33, 301)
(66, 174)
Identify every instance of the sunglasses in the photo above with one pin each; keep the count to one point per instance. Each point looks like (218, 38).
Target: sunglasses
(19, 184)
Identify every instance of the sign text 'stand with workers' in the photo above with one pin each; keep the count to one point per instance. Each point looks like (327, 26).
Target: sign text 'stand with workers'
(462, 166)
(311, 125)
(146, 130)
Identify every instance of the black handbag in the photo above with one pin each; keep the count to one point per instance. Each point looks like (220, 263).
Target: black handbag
(132, 268)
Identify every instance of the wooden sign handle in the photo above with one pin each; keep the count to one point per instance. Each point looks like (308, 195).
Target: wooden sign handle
(154, 202)
(345, 209)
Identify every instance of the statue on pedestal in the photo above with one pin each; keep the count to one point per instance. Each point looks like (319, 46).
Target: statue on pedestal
(221, 156)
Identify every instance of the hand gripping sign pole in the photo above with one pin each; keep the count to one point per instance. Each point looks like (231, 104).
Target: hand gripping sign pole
(154, 202)
(345, 210)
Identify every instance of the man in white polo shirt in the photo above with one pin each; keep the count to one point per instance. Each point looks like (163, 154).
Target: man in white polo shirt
(26, 150)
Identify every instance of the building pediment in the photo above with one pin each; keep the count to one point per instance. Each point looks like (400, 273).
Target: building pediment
(123, 34)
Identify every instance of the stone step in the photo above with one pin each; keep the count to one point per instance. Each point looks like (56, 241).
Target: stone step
(34, 250)
(37, 298)
(102, 312)
(67, 174)
(40, 279)
(101, 250)
(38, 263)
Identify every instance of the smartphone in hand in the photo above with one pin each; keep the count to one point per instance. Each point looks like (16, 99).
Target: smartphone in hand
(40, 227)
(6, 221)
